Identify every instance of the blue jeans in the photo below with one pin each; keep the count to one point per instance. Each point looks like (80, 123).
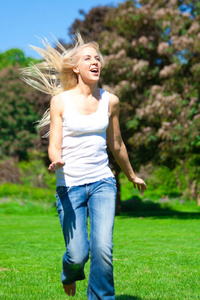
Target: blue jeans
(73, 205)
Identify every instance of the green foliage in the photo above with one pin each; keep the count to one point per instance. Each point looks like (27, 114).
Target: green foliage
(166, 109)
(34, 172)
(13, 57)
(164, 180)
(154, 69)
(187, 176)
(152, 64)
(18, 109)
(18, 114)
(27, 186)
(18, 191)
(165, 185)
(161, 184)
(30, 179)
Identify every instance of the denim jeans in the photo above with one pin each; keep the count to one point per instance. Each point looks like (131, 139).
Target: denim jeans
(73, 205)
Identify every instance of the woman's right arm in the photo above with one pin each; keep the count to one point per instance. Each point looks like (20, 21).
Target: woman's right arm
(55, 138)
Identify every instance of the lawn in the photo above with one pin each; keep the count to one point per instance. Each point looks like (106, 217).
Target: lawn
(155, 256)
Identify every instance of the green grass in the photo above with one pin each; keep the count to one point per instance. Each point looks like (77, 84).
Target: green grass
(154, 257)
(156, 246)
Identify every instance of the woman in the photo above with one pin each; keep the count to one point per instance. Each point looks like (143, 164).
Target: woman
(83, 118)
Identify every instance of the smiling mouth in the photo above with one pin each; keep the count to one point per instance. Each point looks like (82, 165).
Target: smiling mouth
(95, 71)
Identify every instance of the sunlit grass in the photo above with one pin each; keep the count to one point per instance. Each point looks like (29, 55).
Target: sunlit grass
(154, 258)
(156, 246)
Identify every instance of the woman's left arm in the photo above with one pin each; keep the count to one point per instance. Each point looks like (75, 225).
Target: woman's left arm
(117, 145)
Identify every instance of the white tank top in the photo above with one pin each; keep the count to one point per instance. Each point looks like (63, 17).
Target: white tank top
(84, 144)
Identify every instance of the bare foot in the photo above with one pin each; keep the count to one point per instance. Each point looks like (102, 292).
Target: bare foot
(70, 289)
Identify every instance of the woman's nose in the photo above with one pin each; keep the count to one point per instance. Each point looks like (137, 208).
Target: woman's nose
(94, 61)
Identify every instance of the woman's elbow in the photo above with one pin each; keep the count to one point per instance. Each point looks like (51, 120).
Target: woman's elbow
(115, 148)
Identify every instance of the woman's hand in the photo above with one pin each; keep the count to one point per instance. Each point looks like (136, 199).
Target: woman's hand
(55, 165)
(139, 183)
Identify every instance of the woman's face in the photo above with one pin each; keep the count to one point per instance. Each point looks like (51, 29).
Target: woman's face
(88, 65)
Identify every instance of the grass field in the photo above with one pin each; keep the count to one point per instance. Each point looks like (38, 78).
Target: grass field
(156, 254)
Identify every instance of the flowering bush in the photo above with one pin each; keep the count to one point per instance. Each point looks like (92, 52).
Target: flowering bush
(152, 63)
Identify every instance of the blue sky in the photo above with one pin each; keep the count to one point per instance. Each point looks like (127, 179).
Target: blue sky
(22, 20)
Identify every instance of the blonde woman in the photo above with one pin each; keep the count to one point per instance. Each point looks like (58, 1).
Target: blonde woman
(83, 120)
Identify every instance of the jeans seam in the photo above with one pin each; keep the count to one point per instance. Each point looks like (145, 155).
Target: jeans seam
(107, 181)
(69, 189)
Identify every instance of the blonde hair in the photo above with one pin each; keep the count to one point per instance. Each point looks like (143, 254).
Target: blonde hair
(55, 74)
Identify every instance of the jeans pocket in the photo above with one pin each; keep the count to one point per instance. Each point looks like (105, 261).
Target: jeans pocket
(110, 180)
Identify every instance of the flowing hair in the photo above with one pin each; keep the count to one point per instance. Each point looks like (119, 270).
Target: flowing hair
(55, 74)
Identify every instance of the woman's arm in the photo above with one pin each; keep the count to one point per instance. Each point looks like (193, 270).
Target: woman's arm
(55, 138)
(118, 147)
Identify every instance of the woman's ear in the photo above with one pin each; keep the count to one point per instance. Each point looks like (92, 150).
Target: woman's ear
(76, 70)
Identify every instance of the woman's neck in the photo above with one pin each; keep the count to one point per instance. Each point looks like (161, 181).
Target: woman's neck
(86, 89)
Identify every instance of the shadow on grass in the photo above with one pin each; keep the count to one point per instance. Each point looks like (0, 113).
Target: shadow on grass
(127, 297)
(136, 207)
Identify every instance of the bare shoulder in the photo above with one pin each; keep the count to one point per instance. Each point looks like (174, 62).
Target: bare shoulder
(113, 104)
(57, 99)
(114, 100)
(57, 104)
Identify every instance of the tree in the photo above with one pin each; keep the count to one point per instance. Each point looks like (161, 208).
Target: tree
(13, 57)
(20, 107)
(149, 67)
(152, 64)
(93, 23)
